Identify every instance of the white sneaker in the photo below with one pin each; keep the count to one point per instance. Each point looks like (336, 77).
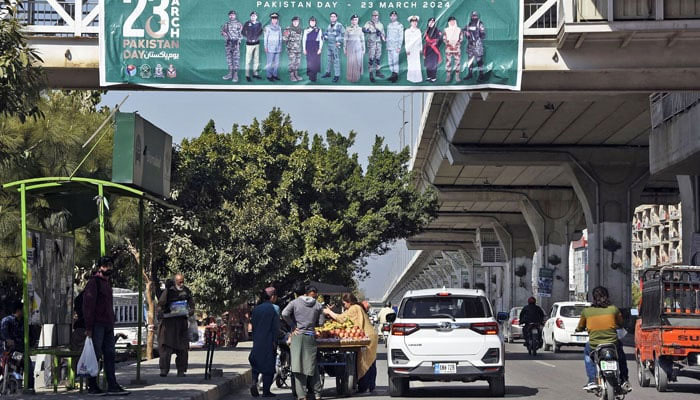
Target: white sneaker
(590, 387)
(626, 386)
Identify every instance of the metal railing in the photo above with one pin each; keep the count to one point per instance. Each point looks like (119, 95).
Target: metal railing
(540, 17)
(665, 106)
(543, 17)
(60, 17)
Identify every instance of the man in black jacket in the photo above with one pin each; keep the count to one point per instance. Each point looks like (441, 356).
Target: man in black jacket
(176, 304)
(531, 314)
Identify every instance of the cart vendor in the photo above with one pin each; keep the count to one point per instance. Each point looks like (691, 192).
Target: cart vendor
(304, 314)
(366, 362)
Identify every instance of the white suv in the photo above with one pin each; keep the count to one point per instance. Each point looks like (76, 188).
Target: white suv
(445, 335)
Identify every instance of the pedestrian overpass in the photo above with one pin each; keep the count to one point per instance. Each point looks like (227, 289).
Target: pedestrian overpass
(570, 45)
(591, 135)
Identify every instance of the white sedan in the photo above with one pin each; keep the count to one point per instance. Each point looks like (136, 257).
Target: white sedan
(560, 328)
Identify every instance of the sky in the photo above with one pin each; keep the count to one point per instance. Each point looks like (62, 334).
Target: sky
(184, 115)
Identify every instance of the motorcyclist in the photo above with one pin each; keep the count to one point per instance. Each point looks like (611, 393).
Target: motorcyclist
(602, 319)
(530, 314)
(12, 334)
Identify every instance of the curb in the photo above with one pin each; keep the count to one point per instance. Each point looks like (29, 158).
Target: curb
(226, 387)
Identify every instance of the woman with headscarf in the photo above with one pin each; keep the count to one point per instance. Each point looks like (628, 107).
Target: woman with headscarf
(366, 362)
(431, 50)
(354, 49)
(313, 44)
(414, 45)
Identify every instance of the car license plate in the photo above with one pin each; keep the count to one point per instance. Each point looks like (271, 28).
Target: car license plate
(445, 368)
(608, 365)
(581, 338)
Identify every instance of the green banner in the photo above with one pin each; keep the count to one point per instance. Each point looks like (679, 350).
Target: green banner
(312, 45)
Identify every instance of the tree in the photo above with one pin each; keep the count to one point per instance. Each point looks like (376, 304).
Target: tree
(21, 79)
(266, 203)
(51, 146)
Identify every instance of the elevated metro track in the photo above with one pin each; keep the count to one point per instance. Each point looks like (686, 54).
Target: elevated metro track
(566, 48)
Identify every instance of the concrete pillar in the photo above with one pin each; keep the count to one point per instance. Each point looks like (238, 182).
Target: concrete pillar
(609, 184)
(689, 187)
(519, 248)
(552, 222)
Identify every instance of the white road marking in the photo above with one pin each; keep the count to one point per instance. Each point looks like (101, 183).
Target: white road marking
(546, 364)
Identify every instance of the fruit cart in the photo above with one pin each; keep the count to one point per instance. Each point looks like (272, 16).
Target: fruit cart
(338, 349)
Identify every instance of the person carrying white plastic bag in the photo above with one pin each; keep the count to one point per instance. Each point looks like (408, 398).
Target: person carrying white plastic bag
(98, 312)
(87, 365)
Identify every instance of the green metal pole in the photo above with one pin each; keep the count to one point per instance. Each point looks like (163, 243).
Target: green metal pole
(101, 213)
(140, 280)
(25, 292)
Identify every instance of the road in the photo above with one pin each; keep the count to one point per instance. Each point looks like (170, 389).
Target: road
(548, 377)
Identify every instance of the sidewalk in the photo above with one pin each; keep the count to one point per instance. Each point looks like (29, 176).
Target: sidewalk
(233, 362)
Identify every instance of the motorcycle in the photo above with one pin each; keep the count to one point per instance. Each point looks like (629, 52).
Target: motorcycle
(284, 364)
(607, 373)
(385, 332)
(11, 366)
(533, 341)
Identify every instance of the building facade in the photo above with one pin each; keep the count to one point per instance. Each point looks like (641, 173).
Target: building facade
(656, 237)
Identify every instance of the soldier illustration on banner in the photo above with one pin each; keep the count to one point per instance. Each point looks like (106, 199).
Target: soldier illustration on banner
(252, 30)
(231, 31)
(292, 36)
(375, 36)
(432, 49)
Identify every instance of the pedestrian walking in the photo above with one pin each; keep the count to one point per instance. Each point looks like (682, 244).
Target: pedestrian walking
(304, 314)
(263, 356)
(366, 361)
(177, 305)
(99, 325)
(313, 45)
(273, 47)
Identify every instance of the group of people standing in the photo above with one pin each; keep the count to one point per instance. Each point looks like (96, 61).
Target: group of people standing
(355, 41)
(302, 315)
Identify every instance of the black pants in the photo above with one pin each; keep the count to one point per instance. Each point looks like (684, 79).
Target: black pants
(267, 380)
(166, 354)
(103, 342)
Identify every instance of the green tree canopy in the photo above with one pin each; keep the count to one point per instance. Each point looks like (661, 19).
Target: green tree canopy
(51, 146)
(21, 80)
(267, 203)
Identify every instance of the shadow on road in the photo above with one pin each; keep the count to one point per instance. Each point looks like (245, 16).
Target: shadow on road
(468, 392)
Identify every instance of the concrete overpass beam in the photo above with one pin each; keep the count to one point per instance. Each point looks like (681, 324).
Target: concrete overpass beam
(690, 202)
(552, 223)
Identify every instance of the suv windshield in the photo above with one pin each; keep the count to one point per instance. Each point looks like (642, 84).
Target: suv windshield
(571, 311)
(439, 307)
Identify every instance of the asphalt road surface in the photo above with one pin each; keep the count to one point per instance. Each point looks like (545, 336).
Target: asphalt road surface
(546, 376)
